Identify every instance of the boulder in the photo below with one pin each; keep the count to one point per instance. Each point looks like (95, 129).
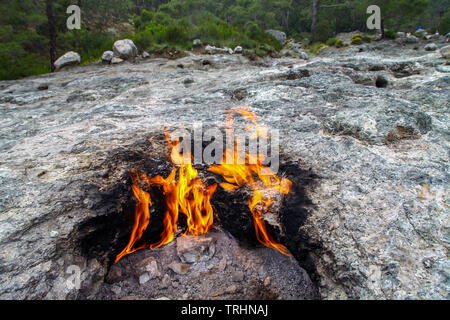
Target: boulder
(215, 50)
(125, 49)
(279, 35)
(68, 59)
(431, 47)
(197, 43)
(411, 39)
(116, 60)
(107, 56)
(238, 49)
(445, 52)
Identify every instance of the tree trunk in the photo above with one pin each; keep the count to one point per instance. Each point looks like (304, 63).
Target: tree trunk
(52, 33)
(382, 27)
(315, 10)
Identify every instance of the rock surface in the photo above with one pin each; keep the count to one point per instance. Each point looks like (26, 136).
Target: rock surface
(378, 225)
(233, 272)
(68, 59)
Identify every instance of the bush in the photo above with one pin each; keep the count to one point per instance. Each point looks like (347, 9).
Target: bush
(331, 42)
(390, 34)
(323, 31)
(339, 43)
(357, 39)
(367, 39)
(444, 26)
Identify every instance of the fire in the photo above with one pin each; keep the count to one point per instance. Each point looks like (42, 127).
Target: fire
(251, 172)
(186, 193)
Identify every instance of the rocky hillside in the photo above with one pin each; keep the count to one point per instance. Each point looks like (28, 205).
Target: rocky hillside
(370, 121)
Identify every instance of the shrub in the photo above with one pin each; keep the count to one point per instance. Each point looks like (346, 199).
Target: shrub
(323, 31)
(357, 39)
(339, 43)
(444, 26)
(390, 34)
(331, 42)
(367, 39)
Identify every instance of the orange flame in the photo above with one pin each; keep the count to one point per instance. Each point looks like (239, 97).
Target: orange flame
(189, 195)
(250, 171)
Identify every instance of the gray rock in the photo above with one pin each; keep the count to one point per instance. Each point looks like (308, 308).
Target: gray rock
(431, 47)
(411, 39)
(445, 52)
(125, 49)
(144, 278)
(179, 268)
(195, 249)
(68, 59)
(215, 50)
(401, 34)
(378, 210)
(279, 35)
(238, 276)
(116, 60)
(238, 49)
(197, 43)
(107, 56)
(145, 55)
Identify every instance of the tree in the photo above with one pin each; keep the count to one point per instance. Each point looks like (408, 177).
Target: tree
(397, 11)
(52, 33)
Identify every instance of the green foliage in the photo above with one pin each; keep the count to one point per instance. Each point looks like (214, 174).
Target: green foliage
(367, 39)
(390, 34)
(331, 42)
(357, 39)
(323, 31)
(339, 43)
(444, 26)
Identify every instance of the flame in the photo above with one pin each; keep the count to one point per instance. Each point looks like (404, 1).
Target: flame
(188, 195)
(141, 216)
(251, 172)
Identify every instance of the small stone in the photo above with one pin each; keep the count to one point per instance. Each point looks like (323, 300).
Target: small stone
(238, 276)
(116, 290)
(43, 86)
(267, 281)
(188, 81)
(195, 249)
(150, 266)
(54, 233)
(445, 52)
(431, 47)
(166, 282)
(197, 42)
(179, 268)
(222, 265)
(114, 275)
(145, 277)
(145, 55)
(238, 49)
(116, 60)
(162, 298)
